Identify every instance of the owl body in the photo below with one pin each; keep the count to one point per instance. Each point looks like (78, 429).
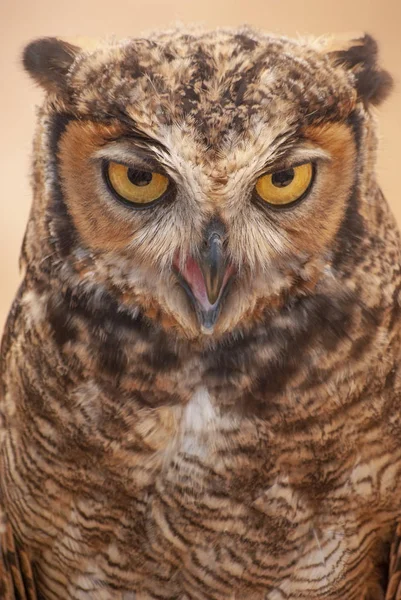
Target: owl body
(200, 380)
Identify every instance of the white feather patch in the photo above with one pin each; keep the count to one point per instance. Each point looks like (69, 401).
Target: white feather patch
(198, 423)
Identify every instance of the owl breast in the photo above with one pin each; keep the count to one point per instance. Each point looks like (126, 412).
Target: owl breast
(222, 507)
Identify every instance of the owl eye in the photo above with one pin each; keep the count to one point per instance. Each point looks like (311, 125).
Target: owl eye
(134, 185)
(285, 187)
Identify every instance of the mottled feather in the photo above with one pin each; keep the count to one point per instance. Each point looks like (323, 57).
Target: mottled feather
(147, 453)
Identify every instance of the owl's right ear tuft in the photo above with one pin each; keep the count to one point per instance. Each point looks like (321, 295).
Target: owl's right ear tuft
(48, 61)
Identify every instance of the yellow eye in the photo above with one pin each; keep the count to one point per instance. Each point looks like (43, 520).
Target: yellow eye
(134, 185)
(284, 187)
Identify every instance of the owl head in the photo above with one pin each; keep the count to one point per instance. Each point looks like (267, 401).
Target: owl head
(203, 179)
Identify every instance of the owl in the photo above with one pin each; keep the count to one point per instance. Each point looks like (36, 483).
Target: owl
(200, 380)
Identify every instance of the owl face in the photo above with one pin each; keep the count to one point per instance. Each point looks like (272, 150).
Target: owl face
(205, 180)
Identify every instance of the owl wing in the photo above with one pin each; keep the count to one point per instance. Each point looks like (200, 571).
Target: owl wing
(16, 575)
(394, 580)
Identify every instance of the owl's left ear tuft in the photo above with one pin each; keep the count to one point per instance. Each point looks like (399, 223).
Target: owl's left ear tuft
(48, 61)
(373, 84)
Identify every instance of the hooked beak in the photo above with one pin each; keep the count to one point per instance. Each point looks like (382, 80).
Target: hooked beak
(206, 280)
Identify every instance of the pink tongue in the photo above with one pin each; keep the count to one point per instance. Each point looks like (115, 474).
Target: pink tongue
(194, 278)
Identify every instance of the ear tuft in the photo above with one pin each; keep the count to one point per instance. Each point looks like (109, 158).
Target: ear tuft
(48, 61)
(373, 84)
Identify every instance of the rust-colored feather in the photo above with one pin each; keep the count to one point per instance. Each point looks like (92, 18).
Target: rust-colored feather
(16, 576)
(200, 395)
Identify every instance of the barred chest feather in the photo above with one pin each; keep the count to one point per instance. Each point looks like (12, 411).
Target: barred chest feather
(210, 505)
(200, 386)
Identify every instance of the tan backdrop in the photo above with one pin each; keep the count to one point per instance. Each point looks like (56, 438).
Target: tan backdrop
(23, 20)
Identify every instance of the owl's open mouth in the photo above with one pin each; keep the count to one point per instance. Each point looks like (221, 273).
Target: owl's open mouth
(206, 298)
(206, 280)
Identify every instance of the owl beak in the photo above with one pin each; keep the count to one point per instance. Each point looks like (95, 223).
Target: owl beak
(206, 280)
(216, 274)
(213, 267)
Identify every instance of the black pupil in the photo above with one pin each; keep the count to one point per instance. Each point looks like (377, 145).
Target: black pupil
(139, 178)
(283, 178)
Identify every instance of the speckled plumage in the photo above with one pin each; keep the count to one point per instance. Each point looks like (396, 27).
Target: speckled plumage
(141, 458)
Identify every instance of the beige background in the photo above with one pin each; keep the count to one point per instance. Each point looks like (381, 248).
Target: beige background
(23, 20)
